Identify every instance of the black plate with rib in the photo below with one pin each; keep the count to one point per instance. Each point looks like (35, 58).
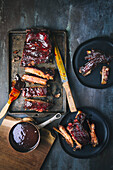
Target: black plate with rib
(102, 132)
(93, 80)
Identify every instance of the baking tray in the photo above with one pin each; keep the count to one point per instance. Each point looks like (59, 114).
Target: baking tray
(16, 42)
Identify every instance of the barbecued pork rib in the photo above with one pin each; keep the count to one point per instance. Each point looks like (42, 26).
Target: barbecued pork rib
(37, 48)
(105, 74)
(39, 91)
(47, 73)
(34, 79)
(37, 105)
(94, 59)
(94, 139)
(77, 130)
(66, 135)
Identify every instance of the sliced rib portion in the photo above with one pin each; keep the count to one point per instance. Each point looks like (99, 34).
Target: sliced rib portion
(64, 133)
(34, 79)
(95, 57)
(37, 105)
(42, 72)
(94, 139)
(77, 130)
(39, 91)
(37, 48)
(105, 74)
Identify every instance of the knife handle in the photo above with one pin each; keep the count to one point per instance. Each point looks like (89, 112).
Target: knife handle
(69, 97)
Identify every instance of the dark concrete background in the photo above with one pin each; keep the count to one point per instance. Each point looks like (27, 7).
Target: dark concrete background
(83, 19)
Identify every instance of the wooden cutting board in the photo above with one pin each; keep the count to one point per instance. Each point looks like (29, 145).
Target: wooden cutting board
(11, 159)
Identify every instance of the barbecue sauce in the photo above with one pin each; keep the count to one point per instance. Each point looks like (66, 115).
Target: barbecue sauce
(37, 48)
(36, 105)
(13, 95)
(34, 92)
(23, 137)
(17, 84)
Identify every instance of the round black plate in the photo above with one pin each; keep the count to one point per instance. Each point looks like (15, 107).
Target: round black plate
(102, 132)
(93, 80)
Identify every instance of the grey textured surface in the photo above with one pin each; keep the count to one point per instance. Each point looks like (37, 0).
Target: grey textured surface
(83, 19)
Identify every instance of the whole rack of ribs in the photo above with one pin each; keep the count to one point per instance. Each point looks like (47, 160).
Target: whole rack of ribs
(39, 91)
(47, 73)
(94, 57)
(37, 105)
(37, 48)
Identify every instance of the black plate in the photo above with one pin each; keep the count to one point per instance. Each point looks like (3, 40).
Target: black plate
(93, 80)
(102, 131)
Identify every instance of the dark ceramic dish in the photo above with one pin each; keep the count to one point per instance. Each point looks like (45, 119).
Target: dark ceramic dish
(93, 80)
(102, 131)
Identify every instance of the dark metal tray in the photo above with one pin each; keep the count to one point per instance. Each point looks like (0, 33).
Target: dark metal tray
(16, 42)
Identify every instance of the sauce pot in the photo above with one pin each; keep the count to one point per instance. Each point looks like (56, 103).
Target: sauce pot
(25, 136)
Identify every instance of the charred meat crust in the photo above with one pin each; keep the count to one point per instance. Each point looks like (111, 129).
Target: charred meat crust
(37, 105)
(78, 133)
(34, 79)
(18, 83)
(37, 48)
(77, 129)
(82, 131)
(39, 91)
(95, 57)
(47, 73)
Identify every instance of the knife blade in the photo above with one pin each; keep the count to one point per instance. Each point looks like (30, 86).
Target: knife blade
(64, 78)
(60, 65)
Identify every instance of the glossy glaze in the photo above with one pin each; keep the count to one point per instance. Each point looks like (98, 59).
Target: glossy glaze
(23, 137)
(37, 48)
(34, 92)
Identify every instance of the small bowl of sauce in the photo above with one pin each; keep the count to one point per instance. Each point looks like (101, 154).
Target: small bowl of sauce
(24, 137)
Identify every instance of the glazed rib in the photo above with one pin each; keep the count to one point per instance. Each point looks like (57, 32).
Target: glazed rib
(34, 79)
(105, 74)
(37, 48)
(94, 59)
(94, 139)
(37, 105)
(42, 72)
(66, 135)
(39, 91)
(77, 130)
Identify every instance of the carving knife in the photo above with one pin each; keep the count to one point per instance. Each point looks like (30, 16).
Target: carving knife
(64, 78)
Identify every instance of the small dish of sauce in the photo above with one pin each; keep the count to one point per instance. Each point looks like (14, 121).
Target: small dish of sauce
(24, 137)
